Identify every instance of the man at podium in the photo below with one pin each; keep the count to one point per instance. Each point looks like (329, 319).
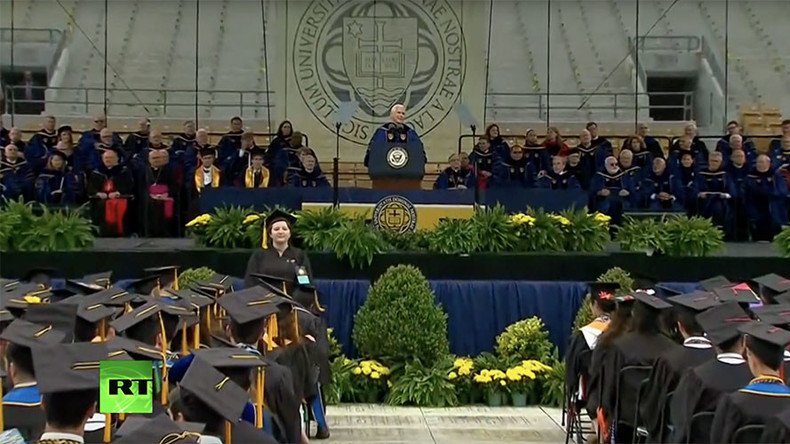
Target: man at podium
(394, 131)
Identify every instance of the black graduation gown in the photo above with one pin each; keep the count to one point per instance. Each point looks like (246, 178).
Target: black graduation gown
(270, 262)
(16, 179)
(663, 380)
(631, 349)
(301, 178)
(577, 364)
(318, 350)
(699, 391)
(747, 408)
(776, 429)
(135, 143)
(158, 218)
(107, 180)
(281, 399)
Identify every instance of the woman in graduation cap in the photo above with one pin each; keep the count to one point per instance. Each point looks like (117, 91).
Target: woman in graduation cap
(278, 258)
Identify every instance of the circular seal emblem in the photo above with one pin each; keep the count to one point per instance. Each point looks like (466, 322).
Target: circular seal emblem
(397, 157)
(395, 213)
(378, 53)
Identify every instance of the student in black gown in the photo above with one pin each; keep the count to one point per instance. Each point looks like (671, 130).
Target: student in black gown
(110, 188)
(640, 346)
(777, 429)
(701, 387)
(278, 258)
(670, 366)
(766, 394)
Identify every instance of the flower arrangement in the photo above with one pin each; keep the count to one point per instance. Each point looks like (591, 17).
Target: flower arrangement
(372, 380)
(462, 376)
(494, 384)
(585, 232)
(203, 219)
(521, 380)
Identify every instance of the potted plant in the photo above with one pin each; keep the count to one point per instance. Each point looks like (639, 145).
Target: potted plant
(692, 236)
(494, 385)
(782, 241)
(584, 232)
(462, 376)
(646, 235)
(371, 379)
(520, 380)
(423, 386)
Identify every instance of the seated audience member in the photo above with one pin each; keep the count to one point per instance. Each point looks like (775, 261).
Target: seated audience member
(682, 147)
(40, 145)
(766, 394)
(776, 144)
(535, 153)
(574, 166)
(277, 154)
(309, 175)
(651, 144)
(483, 160)
(465, 162)
(231, 141)
(236, 165)
(737, 170)
(766, 200)
(590, 158)
(634, 172)
(642, 157)
(191, 157)
(15, 137)
(110, 187)
(554, 144)
(499, 146)
(66, 146)
(701, 387)
(137, 141)
(256, 175)
(598, 141)
(660, 189)
(56, 184)
(558, 178)
(611, 190)
(725, 145)
(781, 155)
(16, 177)
(208, 175)
(715, 191)
(454, 177)
(694, 143)
(297, 143)
(182, 142)
(687, 176)
(736, 144)
(514, 170)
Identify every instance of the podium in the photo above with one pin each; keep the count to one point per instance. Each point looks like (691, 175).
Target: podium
(396, 166)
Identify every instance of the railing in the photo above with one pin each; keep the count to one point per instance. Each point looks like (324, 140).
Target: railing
(615, 104)
(146, 98)
(31, 35)
(688, 43)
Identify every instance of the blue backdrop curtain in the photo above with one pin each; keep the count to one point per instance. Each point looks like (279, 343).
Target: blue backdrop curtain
(477, 311)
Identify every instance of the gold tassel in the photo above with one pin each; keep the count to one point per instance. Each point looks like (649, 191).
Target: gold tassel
(1, 407)
(196, 333)
(121, 417)
(107, 435)
(184, 347)
(259, 399)
(103, 330)
(316, 303)
(271, 332)
(265, 238)
(228, 433)
(175, 280)
(165, 388)
(296, 325)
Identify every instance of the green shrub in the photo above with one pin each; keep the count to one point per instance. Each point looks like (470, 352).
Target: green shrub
(315, 227)
(491, 230)
(452, 236)
(15, 218)
(524, 340)
(552, 383)
(400, 320)
(782, 241)
(357, 241)
(543, 234)
(695, 236)
(423, 386)
(63, 229)
(226, 228)
(407, 241)
(193, 275)
(646, 235)
(586, 232)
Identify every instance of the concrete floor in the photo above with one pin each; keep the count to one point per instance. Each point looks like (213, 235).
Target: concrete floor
(357, 423)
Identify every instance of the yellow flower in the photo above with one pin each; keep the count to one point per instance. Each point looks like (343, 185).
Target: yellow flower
(389, 383)
(356, 370)
(251, 218)
(452, 376)
(375, 375)
(482, 379)
(464, 371)
(346, 361)
(600, 217)
(502, 383)
(366, 370)
(32, 299)
(561, 219)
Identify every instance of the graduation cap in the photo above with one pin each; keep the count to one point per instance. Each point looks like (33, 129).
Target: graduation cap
(275, 216)
(68, 367)
(651, 302)
(274, 283)
(783, 298)
(114, 296)
(63, 129)
(28, 334)
(40, 275)
(721, 322)
(82, 287)
(103, 279)
(136, 316)
(740, 293)
(603, 291)
(217, 283)
(96, 312)
(772, 285)
(5, 315)
(160, 429)
(715, 282)
(62, 317)
(146, 285)
(18, 301)
(216, 391)
(136, 349)
(665, 292)
(60, 294)
(8, 284)
(249, 305)
(777, 314)
(767, 334)
(168, 275)
(696, 302)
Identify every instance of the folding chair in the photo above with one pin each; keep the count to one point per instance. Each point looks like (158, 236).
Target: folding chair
(573, 417)
(630, 376)
(640, 433)
(748, 434)
(666, 427)
(699, 429)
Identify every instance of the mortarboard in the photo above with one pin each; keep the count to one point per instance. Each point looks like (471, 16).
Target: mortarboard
(774, 314)
(160, 429)
(23, 297)
(740, 293)
(5, 315)
(80, 287)
(644, 282)
(603, 290)
(697, 302)
(62, 317)
(8, 284)
(248, 305)
(146, 285)
(721, 322)
(135, 349)
(715, 282)
(771, 285)
(96, 312)
(103, 279)
(28, 334)
(168, 275)
(216, 282)
(60, 294)
(68, 367)
(272, 282)
(136, 316)
(651, 302)
(783, 298)
(663, 291)
(112, 296)
(767, 334)
(40, 275)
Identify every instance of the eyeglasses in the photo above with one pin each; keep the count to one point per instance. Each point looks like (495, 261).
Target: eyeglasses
(517, 152)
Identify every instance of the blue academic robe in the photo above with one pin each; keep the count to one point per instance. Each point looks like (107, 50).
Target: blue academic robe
(548, 179)
(482, 161)
(16, 180)
(653, 184)
(590, 162)
(717, 207)
(644, 160)
(687, 177)
(450, 179)
(604, 147)
(56, 187)
(235, 166)
(500, 147)
(26, 396)
(766, 203)
(653, 147)
(723, 146)
(38, 149)
(229, 144)
(738, 177)
(514, 174)
(635, 175)
(383, 135)
(612, 205)
(313, 179)
(780, 158)
(276, 160)
(538, 156)
(85, 151)
(135, 143)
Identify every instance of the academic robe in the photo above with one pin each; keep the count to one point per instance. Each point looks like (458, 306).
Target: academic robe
(22, 410)
(159, 217)
(16, 179)
(698, 147)
(500, 147)
(635, 175)
(644, 160)
(653, 184)
(589, 163)
(268, 261)
(556, 148)
(604, 146)
(666, 373)
(85, 149)
(276, 160)
(723, 146)
(761, 399)
(775, 146)
(766, 203)
(110, 215)
(538, 157)
(198, 184)
(384, 134)
(4, 136)
(183, 141)
(687, 177)
(717, 207)
(700, 389)
(54, 187)
(235, 166)
(741, 223)
(450, 179)
(630, 349)
(482, 161)
(135, 143)
(563, 181)
(511, 173)
(280, 397)
(674, 164)
(578, 359)
(654, 147)
(312, 179)
(613, 204)
(776, 429)
(38, 149)
(255, 179)
(780, 158)
(229, 144)
(191, 159)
